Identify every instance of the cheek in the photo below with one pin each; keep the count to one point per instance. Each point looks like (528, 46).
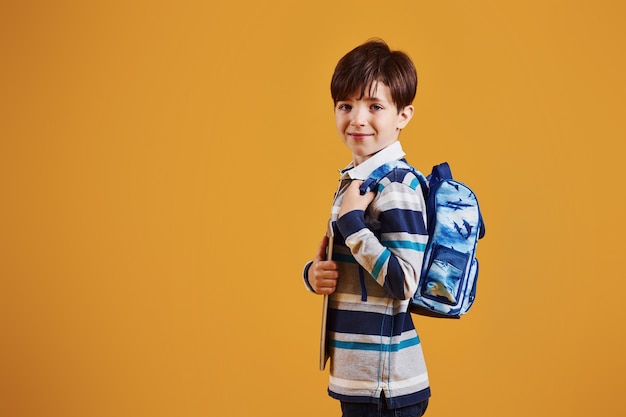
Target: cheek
(341, 123)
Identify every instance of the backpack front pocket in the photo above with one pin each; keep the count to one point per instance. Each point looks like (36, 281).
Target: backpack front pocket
(444, 281)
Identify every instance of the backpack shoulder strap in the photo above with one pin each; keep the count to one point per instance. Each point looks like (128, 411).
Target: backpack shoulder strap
(379, 173)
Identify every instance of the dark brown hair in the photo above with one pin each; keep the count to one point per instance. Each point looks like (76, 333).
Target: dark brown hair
(373, 62)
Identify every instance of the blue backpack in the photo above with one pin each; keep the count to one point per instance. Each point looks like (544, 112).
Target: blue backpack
(447, 284)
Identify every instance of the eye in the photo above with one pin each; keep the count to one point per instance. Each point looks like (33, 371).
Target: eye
(376, 107)
(344, 107)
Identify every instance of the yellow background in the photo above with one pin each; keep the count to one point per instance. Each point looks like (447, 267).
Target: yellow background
(167, 168)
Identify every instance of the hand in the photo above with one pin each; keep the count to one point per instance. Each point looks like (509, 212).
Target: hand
(322, 273)
(353, 200)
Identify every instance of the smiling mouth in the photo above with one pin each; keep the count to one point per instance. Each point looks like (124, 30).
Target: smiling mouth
(359, 136)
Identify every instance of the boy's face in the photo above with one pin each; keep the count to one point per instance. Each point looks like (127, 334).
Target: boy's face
(370, 123)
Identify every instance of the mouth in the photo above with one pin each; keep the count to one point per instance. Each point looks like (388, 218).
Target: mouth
(359, 136)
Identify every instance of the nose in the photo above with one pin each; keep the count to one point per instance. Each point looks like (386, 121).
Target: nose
(358, 116)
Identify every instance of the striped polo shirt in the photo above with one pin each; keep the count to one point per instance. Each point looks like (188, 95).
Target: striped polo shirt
(373, 344)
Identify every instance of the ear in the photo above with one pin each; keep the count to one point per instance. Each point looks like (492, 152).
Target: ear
(405, 116)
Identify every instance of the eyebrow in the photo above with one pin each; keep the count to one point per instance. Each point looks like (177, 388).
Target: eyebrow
(374, 99)
(365, 98)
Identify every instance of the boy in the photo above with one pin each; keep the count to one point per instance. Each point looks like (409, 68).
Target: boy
(377, 365)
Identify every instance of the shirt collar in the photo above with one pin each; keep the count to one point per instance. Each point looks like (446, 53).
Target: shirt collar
(362, 171)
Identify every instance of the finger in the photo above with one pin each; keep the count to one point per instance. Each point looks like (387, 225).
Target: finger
(327, 266)
(355, 186)
(327, 285)
(327, 276)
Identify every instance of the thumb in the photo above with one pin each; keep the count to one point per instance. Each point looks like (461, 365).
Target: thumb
(321, 251)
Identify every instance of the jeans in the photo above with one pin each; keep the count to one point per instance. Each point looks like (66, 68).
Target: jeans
(381, 410)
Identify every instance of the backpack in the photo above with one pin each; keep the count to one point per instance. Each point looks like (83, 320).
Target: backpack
(447, 284)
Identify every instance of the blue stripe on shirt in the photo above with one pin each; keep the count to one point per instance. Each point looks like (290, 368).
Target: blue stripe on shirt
(340, 257)
(380, 262)
(404, 244)
(394, 347)
(369, 323)
(394, 280)
(402, 220)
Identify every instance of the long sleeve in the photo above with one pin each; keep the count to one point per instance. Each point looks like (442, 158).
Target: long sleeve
(393, 255)
(305, 276)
